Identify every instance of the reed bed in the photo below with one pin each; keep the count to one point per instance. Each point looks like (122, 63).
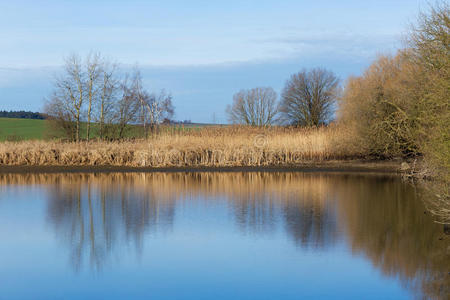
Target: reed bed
(209, 147)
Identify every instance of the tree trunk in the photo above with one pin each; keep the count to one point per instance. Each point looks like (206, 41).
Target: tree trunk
(101, 120)
(77, 133)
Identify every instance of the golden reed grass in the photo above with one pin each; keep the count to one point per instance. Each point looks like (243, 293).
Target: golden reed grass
(209, 147)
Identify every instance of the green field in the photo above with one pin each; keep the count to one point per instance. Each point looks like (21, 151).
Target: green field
(28, 129)
(21, 129)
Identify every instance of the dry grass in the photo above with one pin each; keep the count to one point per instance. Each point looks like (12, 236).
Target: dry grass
(212, 147)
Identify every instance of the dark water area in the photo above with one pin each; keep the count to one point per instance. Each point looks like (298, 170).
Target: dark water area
(219, 236)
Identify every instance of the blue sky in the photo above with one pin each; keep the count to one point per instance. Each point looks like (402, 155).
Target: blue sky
(201, 51)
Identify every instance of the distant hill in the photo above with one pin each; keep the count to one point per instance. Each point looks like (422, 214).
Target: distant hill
(22, 115)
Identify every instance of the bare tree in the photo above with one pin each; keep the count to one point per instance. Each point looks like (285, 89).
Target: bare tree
(126, 108)
(255, 107)
(109, 90)
(153, 108)
(68, 98)
(91, 91)
(139, 94)
(76, 86)
(61, 118)
(136, 105)
(82, 89)
(159, 107)
(309, 98)
(93, 71)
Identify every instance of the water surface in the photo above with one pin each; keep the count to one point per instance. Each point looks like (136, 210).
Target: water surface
(218, 236)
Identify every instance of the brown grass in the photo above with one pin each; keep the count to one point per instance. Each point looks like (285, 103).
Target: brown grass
(209, 147)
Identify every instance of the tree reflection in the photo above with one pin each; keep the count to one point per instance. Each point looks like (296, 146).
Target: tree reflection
(379, 217)
(94, 217)
(94, 213)
(386, 222)
(310, 225)
(297, 201)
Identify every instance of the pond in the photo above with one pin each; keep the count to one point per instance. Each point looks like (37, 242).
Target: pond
(255, 235)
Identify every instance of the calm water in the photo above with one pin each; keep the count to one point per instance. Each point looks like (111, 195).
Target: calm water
(218, 236)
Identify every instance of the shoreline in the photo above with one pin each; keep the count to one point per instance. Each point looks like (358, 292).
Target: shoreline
(351, 166)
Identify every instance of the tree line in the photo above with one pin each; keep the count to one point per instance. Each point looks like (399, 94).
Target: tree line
(22, 115)
(95, 96)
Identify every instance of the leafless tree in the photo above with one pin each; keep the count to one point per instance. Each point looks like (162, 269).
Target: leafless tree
(126, 108)
(67, 101)
(153, 108)
(159, 107)
(93, 71)
(61, 118)
(309, 98)
(92, 91)
(73, 89)
(255, 107)
(108, 98)
(139, 94)
(137, 106)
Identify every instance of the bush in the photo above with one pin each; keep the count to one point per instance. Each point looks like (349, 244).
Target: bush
(400, 105)
(383, 108)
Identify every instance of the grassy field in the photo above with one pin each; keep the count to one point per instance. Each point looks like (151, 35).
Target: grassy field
(12, 129)
(21, 129)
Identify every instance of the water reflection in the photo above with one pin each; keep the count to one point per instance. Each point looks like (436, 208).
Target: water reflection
(378, 217)
(389, 224)
(93, 216)
(95, 211)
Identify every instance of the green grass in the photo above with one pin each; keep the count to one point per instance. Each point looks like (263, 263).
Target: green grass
(28, 129)
(21, 129)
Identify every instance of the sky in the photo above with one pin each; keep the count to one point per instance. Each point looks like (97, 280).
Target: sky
(201, 51)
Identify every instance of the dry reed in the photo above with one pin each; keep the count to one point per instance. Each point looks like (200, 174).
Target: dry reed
(210, 147)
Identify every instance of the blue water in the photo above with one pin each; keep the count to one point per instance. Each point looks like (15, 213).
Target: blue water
(218, 236)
